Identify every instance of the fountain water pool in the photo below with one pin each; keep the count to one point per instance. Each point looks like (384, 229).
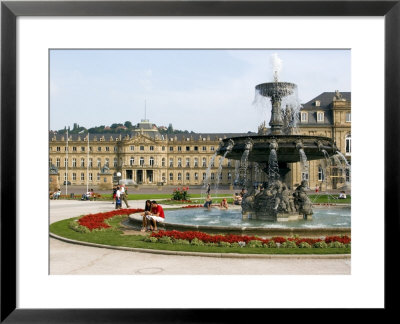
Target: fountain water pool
(322, 218)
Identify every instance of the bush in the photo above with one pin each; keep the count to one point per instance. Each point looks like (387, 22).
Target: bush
(151, 239)
(180, 194)
(224, 244)
(320, 245)
(196, 242)
(210, 244)
(74, 225)
(255, 243)
(289, 245)
(165, 239)
(271, 244)
(336, 245)
(179, 241)
(304, 245)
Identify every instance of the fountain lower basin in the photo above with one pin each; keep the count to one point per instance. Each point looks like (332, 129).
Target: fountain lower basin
(325, 221)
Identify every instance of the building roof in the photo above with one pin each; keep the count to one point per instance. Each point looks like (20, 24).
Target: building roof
(325, 100)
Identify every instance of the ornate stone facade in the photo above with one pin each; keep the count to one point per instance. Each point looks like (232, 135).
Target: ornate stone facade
(146, 157)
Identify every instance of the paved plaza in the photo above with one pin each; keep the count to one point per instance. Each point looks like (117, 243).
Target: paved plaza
(69, 258)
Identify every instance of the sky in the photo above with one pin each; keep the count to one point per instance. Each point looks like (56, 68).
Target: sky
(205, 91)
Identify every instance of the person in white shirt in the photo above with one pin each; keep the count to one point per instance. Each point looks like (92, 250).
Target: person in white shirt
(123, 195)
(118, 204)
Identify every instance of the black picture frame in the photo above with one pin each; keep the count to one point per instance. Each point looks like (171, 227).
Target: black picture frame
(10, 10)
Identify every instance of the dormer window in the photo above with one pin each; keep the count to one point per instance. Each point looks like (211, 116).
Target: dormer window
(304, 117)
(320, 117)
(317, 103)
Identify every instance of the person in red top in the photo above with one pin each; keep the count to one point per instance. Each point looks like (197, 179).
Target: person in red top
(157, 215)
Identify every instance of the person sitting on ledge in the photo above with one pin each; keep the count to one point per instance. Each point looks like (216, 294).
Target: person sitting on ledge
(208, 202)
(342, 195)
(157, 215)
(147, 212)
(237, 199)
(223, 204)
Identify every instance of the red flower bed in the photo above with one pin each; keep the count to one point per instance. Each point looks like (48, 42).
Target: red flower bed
(207, 238)
(96, 221)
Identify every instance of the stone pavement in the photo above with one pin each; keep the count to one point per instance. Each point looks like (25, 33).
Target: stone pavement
(68, 258)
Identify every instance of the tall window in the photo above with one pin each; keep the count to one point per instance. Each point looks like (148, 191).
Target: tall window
(229, 176)
(348, 117)
(304, 117)
(171, 176)
(90, 176)
(179, 163)
(204, 162)
(82, 162)
(320, 116)
(50, 162)
(151, 161)
(132, 161)
(163, 162)
(74, 163)
(151, 148)
(58, 162)
(90, 162)
(204, 176)
(115, 162)
(196, 176)
(107, 161)
(348, 144)
(171, 162)
(99, 162)
(74, 176)
(304, 176)
(179, 176)
(82, 176)
(187, 176)
(321, 175)
(188, 162)
(132, 148)
(212, 176)
(65, 162)
(196, 162)
(141, 161)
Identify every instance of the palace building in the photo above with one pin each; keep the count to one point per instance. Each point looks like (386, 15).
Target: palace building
(147, 157)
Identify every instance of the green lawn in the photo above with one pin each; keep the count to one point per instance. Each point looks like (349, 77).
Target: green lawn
(331, 199)
(116, 238)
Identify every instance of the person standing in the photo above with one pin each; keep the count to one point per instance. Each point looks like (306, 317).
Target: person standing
(208, 189)
(114, 194)
(118, 204)
(124, 193)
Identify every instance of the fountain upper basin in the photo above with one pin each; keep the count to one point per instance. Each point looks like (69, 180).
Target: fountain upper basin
(287, 147)
(276, 89)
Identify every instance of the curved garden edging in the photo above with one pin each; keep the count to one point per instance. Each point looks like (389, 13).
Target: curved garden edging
(204, 254)
(136, 219)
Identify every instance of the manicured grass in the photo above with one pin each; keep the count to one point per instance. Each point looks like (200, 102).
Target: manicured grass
(329, 199)
(116, 238)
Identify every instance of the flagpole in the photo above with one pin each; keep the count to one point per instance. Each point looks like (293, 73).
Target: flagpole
(66, 170)
(87, 166)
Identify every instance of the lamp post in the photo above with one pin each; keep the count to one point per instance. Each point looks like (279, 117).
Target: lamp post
(119, 176)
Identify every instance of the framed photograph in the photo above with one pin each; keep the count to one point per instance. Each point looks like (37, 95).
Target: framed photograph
(32, 31)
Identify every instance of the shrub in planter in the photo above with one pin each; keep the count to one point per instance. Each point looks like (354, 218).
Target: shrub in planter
(196, 242)
(289, 245)
(165, 239)
(320, 245)
(304, 245)
(336, 245)
(224, 244)
(255, 243)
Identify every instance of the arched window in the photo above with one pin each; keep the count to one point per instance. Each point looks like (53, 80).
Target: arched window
(179, 176)
(179, 163)
(171, 162)
(151, 161)
(187, 176)
(82, 162)
(141, 161)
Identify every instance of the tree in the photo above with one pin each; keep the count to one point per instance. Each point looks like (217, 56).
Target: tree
(170, 129)
(128, 124)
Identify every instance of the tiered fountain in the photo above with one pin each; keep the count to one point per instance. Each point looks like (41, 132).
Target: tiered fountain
(272, 152)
